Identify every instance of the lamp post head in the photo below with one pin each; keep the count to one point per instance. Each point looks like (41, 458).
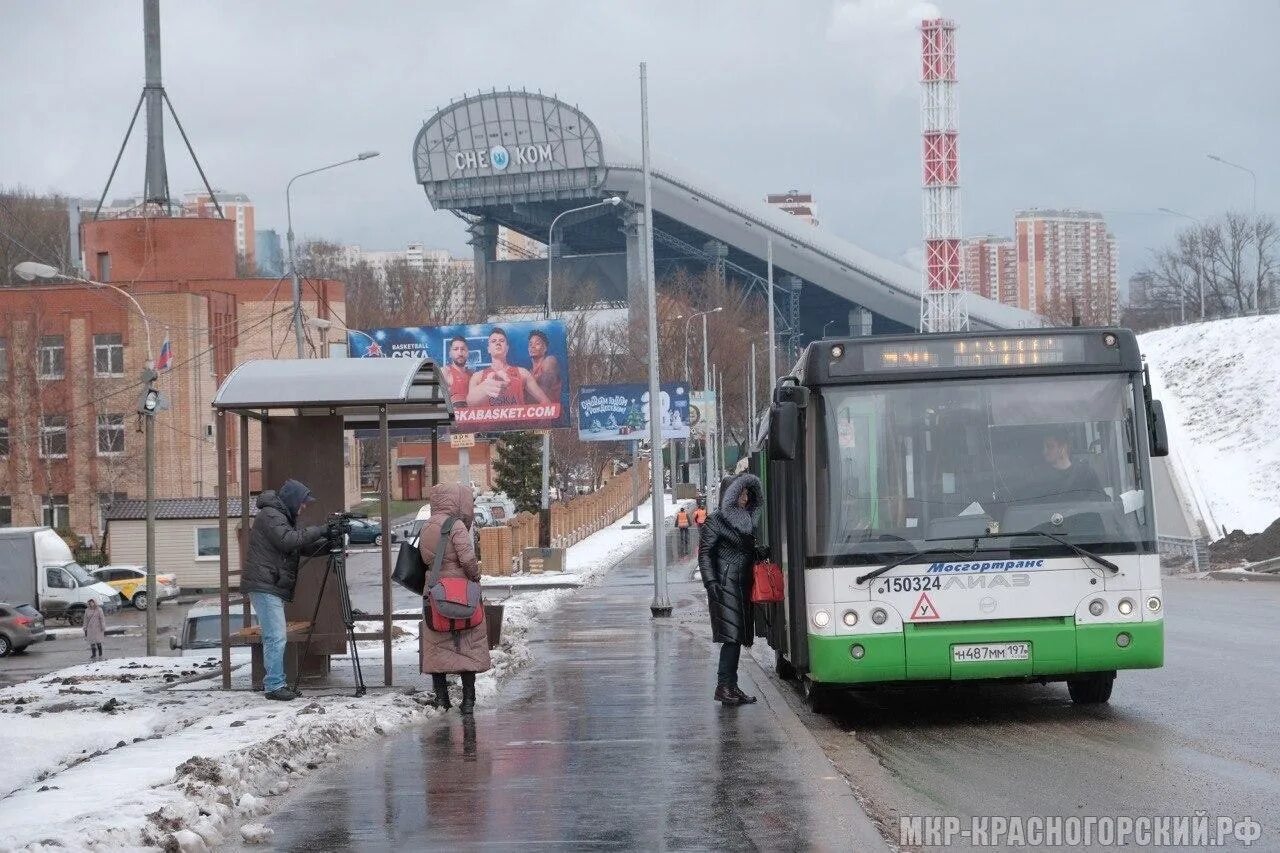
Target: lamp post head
(367, 155)
(1214, 157)
(613, 201)
(31, 270)
(320, 323)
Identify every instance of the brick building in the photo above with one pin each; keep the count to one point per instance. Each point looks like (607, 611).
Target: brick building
(1066, 258)
(989, 268)
(70, 356)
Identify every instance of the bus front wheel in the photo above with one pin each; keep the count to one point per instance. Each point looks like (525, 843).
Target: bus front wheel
(1092, 689)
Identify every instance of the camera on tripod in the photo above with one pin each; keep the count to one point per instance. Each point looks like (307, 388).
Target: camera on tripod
(338, 526)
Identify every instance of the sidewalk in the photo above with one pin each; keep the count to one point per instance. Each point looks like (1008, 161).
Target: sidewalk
(608, 740)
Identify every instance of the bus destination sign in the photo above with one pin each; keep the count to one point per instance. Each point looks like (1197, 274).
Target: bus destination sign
(959, 353)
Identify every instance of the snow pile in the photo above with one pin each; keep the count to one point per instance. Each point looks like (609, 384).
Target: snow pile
(146, 753)
(1220, 385)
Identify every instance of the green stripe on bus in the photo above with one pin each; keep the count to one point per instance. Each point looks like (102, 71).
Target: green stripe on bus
(923, 652)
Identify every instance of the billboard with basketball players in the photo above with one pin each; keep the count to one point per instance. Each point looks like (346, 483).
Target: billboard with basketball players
(501, 377)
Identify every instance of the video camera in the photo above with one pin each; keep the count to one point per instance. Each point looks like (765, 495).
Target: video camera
(338, 525)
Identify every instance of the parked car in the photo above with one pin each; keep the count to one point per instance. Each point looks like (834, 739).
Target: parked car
(131, 583)
(202, 629)
(20, 626)
(37, 568)
(366, 531)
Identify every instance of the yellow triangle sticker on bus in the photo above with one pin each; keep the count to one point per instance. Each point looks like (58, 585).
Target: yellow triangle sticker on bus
(924, 609)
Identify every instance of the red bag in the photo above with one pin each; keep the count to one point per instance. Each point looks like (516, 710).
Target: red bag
(767, 583)
(452, 604)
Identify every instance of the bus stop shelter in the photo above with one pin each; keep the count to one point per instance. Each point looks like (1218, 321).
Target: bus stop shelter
(304, 409)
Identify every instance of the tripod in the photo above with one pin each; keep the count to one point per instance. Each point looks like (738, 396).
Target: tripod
(336, 564)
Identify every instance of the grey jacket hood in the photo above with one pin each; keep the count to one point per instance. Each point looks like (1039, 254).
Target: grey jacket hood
(742, 519)
(289, 499)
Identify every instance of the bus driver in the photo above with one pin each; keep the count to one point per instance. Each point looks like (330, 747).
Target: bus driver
(1064, 479)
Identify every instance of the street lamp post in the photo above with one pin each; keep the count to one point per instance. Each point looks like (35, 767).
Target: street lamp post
(544, 522)
(293, 267)
(706, 455)
(828, 323)
(29, 271)
(1252, 175)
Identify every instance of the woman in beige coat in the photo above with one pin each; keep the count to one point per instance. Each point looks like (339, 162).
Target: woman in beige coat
(467, 651)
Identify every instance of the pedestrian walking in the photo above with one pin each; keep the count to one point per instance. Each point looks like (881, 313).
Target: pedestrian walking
(95, 628)
(464, 651)
(700, 516)
(271, 573)
(726, 556)
(682, 525)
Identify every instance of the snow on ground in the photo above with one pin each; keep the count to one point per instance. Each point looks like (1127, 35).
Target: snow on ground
(147, 753)
(1220, 385)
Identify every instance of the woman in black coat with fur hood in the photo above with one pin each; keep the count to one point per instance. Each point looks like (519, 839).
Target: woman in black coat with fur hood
(726, 556)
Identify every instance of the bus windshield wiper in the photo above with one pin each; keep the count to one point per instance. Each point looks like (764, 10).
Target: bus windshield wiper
(1080, 552)
(906, 558)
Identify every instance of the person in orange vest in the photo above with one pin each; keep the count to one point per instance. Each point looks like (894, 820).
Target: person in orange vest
(700, 516)
(682, 524)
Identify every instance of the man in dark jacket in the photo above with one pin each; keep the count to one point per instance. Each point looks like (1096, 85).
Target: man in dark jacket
(270, 572)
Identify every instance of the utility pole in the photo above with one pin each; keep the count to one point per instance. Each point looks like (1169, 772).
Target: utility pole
(147, 407)
(773, 360)
(661, 605)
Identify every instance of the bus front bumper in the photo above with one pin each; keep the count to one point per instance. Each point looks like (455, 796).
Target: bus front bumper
(1059, 648)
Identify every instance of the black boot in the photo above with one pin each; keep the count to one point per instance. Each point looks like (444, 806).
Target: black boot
(742, 697)
(726, 695)
(440, 684)
(468, 693)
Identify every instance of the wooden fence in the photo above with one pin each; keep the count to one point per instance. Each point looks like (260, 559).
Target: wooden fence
(571, 522)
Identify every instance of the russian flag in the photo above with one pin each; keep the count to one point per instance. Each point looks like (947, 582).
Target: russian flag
(166, 355)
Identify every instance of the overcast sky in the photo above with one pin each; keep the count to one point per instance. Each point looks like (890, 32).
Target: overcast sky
(1104, 105)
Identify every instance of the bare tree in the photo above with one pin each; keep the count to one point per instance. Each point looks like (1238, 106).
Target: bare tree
(33, 228)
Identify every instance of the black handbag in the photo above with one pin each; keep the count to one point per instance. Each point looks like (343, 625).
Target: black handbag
(410, 572)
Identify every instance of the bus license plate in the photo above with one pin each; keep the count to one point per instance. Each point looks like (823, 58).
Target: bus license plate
(982, 652)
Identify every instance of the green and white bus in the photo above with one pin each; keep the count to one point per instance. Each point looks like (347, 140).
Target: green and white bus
(964, 506)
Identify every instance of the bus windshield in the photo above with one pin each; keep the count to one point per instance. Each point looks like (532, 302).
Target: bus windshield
(912, 466)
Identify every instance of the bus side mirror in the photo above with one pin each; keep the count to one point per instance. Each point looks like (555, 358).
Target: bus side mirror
(173, 643)
(784, 431)
(1159, 431)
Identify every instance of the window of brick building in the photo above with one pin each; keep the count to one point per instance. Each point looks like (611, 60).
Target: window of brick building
(6, 511)
(110, 435)
(53, 357)
(53, 437)
(4, 359)
(57, 511)
(108, 354)
(4, 436)
(104, 266)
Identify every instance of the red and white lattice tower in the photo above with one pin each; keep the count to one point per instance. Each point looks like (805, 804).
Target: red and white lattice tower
(942, 303)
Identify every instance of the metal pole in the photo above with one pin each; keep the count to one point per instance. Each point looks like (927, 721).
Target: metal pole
(435, 459)
(224, 554)
(661, 605)
(151, 532)
(773, 363)
(157, 181)
(464, 466)
(384, 451)
(635, 486)
(751, 418)
(706, 430)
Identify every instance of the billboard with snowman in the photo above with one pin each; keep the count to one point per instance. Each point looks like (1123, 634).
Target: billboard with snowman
(621, 412)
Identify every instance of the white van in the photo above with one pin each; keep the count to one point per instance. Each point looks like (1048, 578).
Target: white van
(37, 568)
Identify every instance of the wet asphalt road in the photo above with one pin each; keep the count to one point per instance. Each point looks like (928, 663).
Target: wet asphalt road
(607, 740)
(1198, 735)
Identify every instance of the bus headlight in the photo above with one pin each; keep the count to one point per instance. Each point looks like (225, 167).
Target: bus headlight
(850, 618)
(821, 618)
(879, 616)
(1125, 606)
(1097, 606)
(1153, 604)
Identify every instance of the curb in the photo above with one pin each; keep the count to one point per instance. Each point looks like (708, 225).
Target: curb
(861, 830)
(1223, 575)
